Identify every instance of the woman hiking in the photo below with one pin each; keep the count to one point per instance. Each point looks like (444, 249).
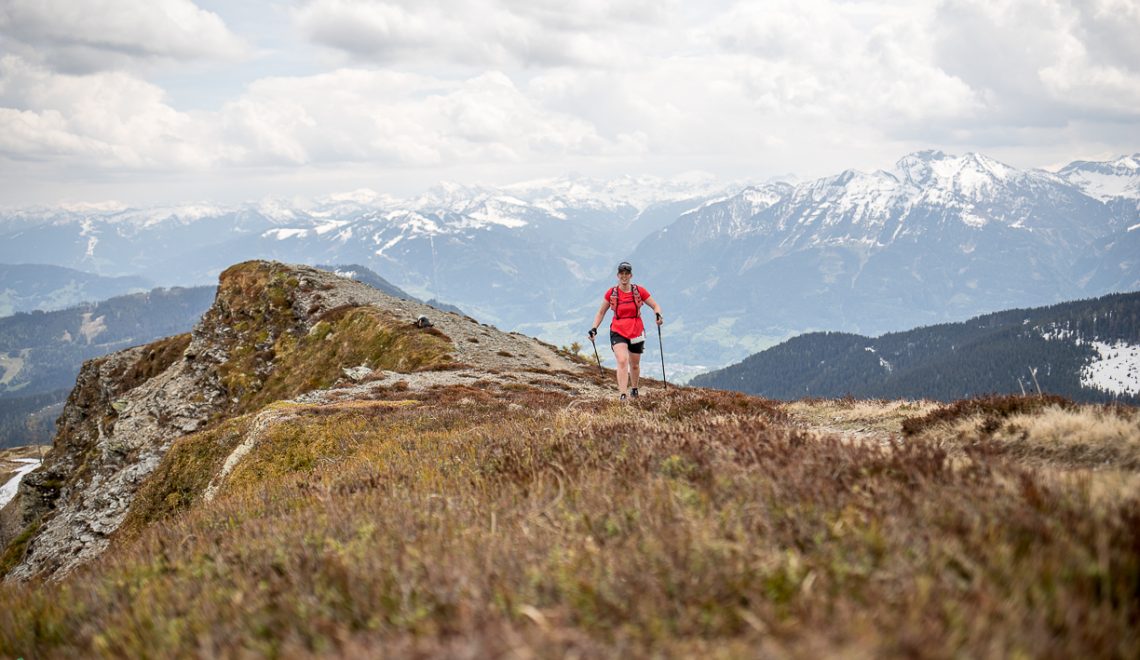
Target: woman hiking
(627, 332)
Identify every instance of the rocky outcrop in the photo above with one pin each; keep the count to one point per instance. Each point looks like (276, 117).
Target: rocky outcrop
(263, 340)
(121, 417)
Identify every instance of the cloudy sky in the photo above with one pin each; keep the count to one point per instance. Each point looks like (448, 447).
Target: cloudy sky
(148, 101)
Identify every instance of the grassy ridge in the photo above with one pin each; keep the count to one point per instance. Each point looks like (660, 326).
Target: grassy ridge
(481, 520)
(271, 356)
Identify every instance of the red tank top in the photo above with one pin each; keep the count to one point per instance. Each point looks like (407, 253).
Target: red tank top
(626, 321)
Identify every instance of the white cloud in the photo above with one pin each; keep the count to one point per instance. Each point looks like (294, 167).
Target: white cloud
(813, 58)
(353, 115)
(97, 35)
(100, 120)
(1043, 62)
(482, 33)
(115, 120)
(489, 85)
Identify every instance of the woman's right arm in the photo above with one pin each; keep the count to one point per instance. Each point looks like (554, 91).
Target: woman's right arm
(600, 315)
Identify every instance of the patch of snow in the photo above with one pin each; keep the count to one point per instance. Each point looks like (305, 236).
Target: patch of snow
(390, 244)
(972, 220)
(183, 215)
(87, 228)
(869, 349)
(91, 328)
(285, 233)
(1117, 370)
(8, 490)
(1136, 226)
(496, 216)
(108, 206)
(326, 227)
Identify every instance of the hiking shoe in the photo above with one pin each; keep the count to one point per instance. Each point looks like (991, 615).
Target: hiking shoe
(633, 393)
(622, 398)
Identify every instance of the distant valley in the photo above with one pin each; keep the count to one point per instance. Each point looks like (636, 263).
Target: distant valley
(41, 352)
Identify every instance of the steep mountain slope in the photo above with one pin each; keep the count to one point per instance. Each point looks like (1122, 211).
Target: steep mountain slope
(1105, 180)
(273, 333)
(1087, 350)
(28, 287)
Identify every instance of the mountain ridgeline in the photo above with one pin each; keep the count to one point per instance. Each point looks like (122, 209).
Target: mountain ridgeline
(934, 238)
(1069, 346)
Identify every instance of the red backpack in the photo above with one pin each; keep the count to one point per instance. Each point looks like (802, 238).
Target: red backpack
(614, 299)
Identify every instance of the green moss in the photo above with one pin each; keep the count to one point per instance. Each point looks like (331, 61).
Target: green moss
(183, 475)
(14, 553)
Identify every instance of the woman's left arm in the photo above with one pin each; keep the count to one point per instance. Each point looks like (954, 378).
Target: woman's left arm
(656, 308)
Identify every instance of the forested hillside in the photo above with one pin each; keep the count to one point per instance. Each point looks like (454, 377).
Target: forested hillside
(27, 287)
(41, 352)
(995, 353)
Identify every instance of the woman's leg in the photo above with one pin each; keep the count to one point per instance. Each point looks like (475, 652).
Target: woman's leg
(634, 368)
(621, 352)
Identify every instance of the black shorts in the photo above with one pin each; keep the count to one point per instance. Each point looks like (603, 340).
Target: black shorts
(637, 348)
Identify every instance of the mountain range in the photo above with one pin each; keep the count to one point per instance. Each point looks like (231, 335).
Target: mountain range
(1087, 350)
(936, 238)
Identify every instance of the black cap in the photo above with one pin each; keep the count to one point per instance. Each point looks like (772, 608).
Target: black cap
(625, 265)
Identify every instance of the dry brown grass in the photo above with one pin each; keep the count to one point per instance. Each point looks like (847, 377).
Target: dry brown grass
(1046, 432)
(857, 415)
(487, 521)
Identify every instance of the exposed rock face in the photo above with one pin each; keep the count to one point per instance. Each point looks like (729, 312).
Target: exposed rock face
(127, 409)
(113, 432)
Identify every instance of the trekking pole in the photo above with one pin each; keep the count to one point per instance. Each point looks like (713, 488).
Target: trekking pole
(596, 358)
(662, 348)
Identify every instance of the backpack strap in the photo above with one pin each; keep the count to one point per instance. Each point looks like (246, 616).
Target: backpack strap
(636, 299)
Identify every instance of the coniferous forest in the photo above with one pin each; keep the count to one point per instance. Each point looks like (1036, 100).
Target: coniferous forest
(991, 354)
(42, 352)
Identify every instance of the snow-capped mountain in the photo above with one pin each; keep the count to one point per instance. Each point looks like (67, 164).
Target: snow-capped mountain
(509, 253)
(1105, 180)
(935, 238)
